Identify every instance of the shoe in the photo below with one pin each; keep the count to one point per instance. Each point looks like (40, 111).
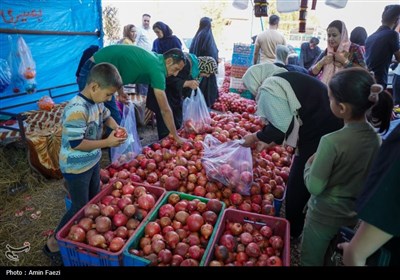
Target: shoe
(55, 257)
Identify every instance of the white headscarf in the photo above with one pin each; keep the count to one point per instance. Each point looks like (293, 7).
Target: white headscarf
(256, 74)
(277, 103)
(282, 53)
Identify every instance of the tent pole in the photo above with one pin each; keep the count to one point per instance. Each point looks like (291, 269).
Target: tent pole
(262, 24)
(45, 32)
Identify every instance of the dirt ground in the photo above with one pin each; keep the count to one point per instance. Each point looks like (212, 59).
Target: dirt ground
(28, 192)
(32, 205)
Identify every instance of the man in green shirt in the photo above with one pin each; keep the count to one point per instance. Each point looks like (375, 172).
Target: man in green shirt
(137, 65)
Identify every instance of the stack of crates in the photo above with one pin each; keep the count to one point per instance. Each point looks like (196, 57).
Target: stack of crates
(242, 59)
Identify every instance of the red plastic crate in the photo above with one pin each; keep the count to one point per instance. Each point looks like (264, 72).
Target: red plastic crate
(280, 227)
(81, 254)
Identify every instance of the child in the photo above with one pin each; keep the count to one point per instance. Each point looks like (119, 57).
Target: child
(335, 173)
(121, 101)
(81, 143)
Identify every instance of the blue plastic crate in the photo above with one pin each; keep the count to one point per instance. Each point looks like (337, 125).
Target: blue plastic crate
(68, 202)
(278, 204)
(85, 256)
(80, 254)
(243, 49)
(242, 60)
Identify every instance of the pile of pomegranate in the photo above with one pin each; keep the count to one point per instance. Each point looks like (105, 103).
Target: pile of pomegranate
(110, 222)
(180, 233)
(235, 103)
(179, 168)
(247, 244)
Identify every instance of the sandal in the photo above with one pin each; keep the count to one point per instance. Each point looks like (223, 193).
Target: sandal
(55, 257)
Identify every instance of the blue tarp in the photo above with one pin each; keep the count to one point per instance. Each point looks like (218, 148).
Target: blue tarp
(56, 56)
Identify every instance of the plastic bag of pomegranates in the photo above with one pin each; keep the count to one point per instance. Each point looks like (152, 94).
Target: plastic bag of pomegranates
(132, 146)
(229, 163)
(46, 103)
(195, 113)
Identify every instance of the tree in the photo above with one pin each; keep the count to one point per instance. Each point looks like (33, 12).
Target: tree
(111, 23)
(214, 11)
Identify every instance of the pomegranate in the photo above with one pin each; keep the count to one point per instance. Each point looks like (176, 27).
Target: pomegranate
(171, 183)
(120, 219)
(171, 238)
(92, 211)
(86, 224)
(274, 261)
(210, 217)
(116, 244)
(76, 233)
(146, 202)
(166, 210)
(176, 260)
(206, 230)
(152, 228)
(214, 205)
(194, 222)
(165, 256)
(97, 240)
(103, 224)
(253, 250)
(120, 133)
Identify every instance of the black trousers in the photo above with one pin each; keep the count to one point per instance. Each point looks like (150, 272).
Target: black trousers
(297, 194)
(162, 129)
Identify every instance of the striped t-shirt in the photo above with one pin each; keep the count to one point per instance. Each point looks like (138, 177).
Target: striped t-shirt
(82, 119)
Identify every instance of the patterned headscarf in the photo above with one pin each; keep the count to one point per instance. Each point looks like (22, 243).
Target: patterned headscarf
(330, 69)
(207, 65)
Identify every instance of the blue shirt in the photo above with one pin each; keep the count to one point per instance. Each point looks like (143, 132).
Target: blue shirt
(379, 49)
(82, 119)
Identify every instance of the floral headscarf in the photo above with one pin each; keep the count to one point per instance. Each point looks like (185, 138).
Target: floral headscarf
(344, 46)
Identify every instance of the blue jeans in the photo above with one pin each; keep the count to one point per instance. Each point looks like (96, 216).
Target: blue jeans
(82, 188)
(111, 105)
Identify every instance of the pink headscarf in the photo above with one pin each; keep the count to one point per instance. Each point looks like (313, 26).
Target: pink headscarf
(344, 46)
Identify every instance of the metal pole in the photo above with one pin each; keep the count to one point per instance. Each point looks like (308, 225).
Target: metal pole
(47, 32)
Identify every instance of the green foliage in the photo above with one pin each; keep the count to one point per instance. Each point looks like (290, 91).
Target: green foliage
(214, 10)
(289, 21)
(111, 23)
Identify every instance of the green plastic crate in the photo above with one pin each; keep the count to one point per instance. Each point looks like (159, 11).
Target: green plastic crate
(130, 259)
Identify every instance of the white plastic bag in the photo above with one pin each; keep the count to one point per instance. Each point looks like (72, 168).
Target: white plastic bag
(131, 147)
(338, 4)
(5, 75)
(221, 73)
(195, 113)
(27, 66)
(229, 163)
(287, 6)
